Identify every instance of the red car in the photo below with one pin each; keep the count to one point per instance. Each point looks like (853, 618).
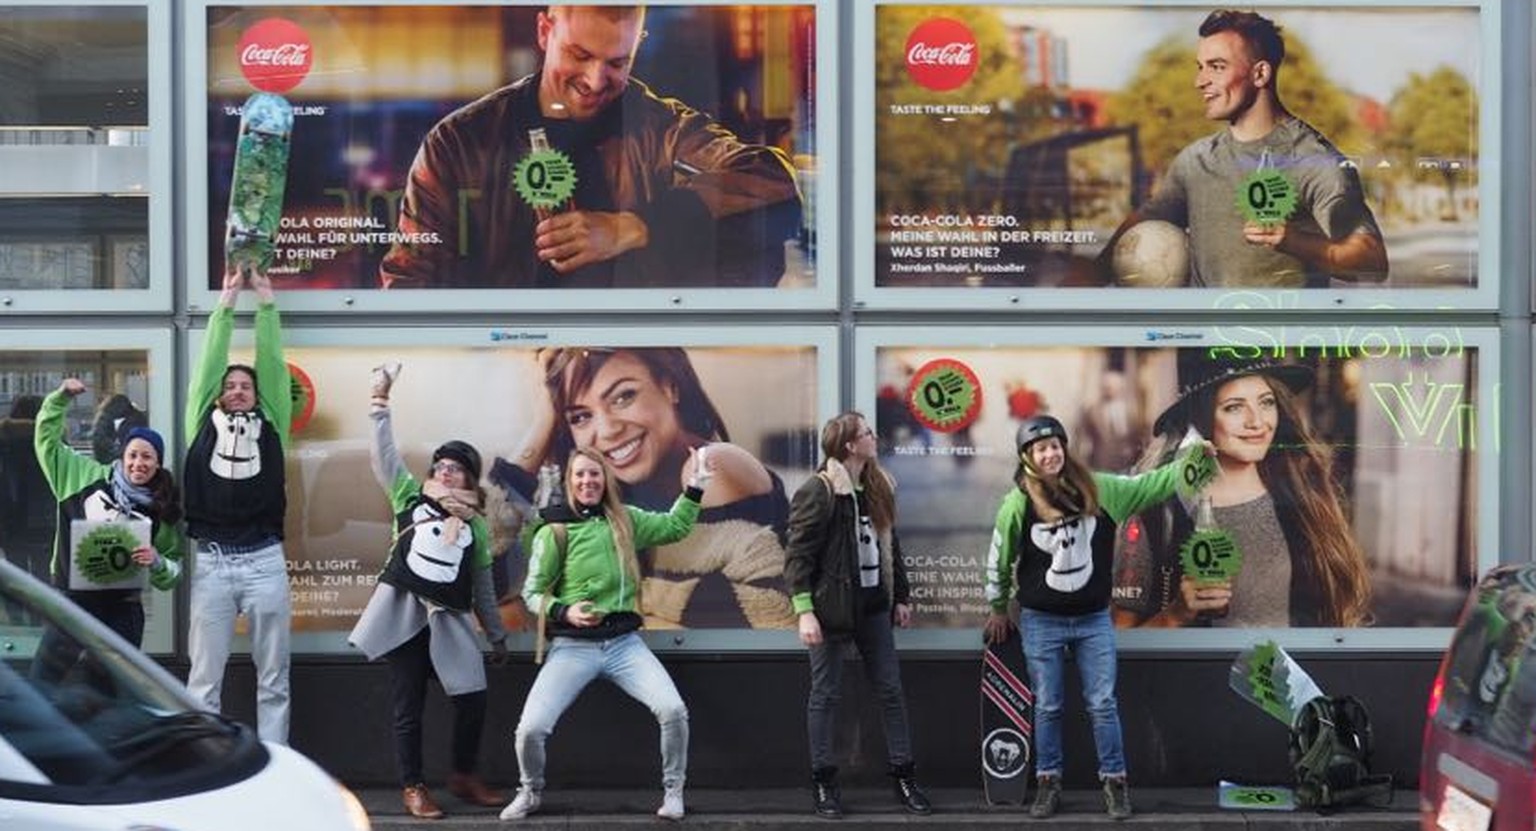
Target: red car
(1478, 772)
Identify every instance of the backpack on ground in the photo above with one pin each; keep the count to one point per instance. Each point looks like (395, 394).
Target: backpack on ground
(1331, 754)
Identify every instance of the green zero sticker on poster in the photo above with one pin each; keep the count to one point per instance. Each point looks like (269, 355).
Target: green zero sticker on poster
(1210, 556)
(105, 555)
(1197, 471)
(944, 395)
(545, 178)
(1267, 197)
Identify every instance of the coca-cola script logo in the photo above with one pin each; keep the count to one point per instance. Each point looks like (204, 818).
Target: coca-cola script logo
(275, 55)
(941, 54)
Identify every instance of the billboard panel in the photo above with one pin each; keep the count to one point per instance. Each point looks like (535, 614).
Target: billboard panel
(1299, 156)
(667, 152)
(523, 398)
(1324, 442)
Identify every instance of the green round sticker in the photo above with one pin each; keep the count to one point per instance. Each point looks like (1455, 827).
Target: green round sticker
(1267, 197)
(1210, 556)
(545, 178)
(105, 555)
(944, 395)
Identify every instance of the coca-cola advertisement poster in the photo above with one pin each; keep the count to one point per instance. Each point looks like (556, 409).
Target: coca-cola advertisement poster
(513, 147)
(524, 398)
(1325, 444)
(1255, 153)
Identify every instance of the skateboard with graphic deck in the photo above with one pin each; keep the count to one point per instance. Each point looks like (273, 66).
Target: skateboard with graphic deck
(256, 185)
(1007, 722)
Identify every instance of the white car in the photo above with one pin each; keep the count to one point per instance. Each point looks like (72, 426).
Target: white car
(94, 736)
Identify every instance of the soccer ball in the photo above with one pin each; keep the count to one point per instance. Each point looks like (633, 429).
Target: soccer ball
(1152, 254)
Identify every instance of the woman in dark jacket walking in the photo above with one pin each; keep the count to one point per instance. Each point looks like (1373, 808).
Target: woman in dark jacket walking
(847, 582)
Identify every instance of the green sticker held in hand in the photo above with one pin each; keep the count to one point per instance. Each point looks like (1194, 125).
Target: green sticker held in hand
(106, 554)
(545, 178)
(1211, 556)
(1267, 197)
(1198, 470)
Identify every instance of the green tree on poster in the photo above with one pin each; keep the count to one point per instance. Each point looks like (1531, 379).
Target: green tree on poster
(1434, 117)
(922, 161)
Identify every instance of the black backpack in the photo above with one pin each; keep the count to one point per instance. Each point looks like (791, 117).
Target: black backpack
(1331, 754)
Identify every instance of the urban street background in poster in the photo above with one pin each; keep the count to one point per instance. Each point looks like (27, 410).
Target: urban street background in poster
(1042, 146)
(525, 147)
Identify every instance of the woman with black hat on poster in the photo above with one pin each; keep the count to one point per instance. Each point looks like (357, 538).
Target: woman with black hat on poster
(1274, 493)
(1053, 548)
(420, 617)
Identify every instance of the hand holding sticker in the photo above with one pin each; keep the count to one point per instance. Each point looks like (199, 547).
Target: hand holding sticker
(1198, 464)
(1267, 197)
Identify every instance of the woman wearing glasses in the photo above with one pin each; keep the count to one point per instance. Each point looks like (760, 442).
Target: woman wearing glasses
(644, 411)
(420, 618)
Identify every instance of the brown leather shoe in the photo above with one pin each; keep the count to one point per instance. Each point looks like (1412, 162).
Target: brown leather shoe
(418, 802)
(472, 789)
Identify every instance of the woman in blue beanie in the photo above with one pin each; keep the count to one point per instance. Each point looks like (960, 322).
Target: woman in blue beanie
(99, 565)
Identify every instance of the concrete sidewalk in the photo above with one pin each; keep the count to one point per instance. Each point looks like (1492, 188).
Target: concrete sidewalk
(1166, 809)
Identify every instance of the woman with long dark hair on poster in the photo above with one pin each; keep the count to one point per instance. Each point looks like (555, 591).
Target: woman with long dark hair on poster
(645, 411)
(1274, 493)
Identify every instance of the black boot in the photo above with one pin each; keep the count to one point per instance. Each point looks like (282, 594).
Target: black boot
(827, 797)
(908, 793)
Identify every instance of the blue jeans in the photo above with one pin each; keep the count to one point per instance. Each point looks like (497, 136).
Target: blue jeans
(225, 586)
(877, 647)
(1091, 637)
(573, 663)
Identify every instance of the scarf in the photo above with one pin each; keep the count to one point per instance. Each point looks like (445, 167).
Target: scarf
(127, 495)
(461, 505)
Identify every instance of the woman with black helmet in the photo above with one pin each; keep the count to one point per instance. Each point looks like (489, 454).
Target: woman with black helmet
(1053, 548)
(420, 616)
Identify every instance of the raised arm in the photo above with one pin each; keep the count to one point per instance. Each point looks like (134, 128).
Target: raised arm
(67, 472)
(272, 382)
(208, 377)
(388, 467)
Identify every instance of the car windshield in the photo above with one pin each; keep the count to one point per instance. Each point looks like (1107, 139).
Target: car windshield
(81, 709)
(1490, 674)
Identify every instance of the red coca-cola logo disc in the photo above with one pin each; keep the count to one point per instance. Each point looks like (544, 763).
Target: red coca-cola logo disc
(941, 54)
(275, 55)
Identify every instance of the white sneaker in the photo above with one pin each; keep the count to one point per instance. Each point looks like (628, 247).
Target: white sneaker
(526, 802)
(671, 804)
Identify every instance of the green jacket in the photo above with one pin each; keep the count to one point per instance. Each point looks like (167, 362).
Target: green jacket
(1120, 497)
(244, 502)
(591, 570)
(74, 478)
(274, 398)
